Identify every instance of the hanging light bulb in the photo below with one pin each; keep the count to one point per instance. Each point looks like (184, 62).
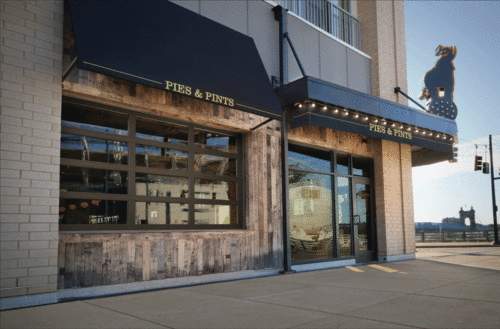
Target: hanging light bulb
(336, 111)
(384, 122)
(325, 108)
(416, 130)
(430, 134)
(366, 118)
(300, 105)
(313, 105)
(375, 120)
(401, 127)
(356, 116)
(346, 113)
(437, 136)
(393, 125)
(409, 129)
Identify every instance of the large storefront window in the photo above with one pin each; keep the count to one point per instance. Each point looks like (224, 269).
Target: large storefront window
(123, 170)
(329, 209)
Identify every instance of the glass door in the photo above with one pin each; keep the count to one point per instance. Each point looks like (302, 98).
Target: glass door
(363, 227)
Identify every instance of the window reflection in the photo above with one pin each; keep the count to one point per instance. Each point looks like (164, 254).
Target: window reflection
(215, 214)
(79, 179)
(342, 164)
(363, 211)
(309, 159)
(214, 189)
(161, 131)
(156, 213)
(214, 165)
(161, 186)
(361, 166)
(161, 157)
(93, 149)
(344, 215)
(214, 141)
(95, 119)
(311, 233)
(85, 211)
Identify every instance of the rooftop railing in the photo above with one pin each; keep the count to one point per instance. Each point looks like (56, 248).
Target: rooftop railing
(328, 17)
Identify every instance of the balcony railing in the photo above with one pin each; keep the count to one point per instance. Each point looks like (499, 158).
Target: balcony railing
(328, 17)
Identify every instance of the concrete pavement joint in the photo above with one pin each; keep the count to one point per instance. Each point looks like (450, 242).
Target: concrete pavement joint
(358, 317)
(132, 316)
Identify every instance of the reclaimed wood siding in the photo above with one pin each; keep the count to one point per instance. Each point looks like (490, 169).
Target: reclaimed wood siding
(94, 259)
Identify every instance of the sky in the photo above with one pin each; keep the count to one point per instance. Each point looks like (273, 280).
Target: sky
(440, 190)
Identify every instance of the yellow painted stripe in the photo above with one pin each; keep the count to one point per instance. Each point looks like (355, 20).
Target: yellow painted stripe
(354, 269)
(383, 268)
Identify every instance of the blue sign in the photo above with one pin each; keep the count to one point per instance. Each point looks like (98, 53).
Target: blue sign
(439, 84)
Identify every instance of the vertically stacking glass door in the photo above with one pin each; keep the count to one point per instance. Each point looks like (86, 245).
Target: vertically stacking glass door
(329, 205)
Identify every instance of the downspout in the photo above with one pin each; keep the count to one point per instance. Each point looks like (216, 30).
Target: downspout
(280, 14)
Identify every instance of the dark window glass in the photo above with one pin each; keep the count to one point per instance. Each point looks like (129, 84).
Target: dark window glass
(161, 186)
(95, 211)
(214, 165)
(309, 159)
(214, 189)
(361, 167)
(311, 226)
(79, 179)
(214, 141)
(342, 164)
(95, 119)
(161, 213)
(215, 214)
(161, 131)
(93, 149)
(97, 167)
(160, 157)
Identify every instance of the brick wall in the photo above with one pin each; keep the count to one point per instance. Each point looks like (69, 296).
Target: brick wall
(383, 38)
(31, 66)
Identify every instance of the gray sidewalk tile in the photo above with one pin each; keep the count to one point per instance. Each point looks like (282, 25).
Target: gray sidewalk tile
(71, 315)
(184, 309)
(342, 321)
(245, 289)
(464, 290)
(433, 312)
(489, 279)
(329, 299)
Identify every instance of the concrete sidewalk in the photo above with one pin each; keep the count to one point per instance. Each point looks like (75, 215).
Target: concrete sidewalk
(442, 288)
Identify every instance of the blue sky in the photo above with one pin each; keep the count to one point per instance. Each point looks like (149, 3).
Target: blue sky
(474, 28)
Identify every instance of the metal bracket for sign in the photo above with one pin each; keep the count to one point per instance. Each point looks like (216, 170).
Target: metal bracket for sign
(70, 67)
(285, 35)
(398, 90)
(261, 124)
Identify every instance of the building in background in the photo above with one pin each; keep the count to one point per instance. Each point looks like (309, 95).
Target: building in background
(159, 155)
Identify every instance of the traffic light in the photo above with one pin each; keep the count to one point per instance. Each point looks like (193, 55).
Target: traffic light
(478, 163)
(486, 168)
(455, 155)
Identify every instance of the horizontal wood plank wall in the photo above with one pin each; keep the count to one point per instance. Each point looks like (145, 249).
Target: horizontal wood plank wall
(95, 259)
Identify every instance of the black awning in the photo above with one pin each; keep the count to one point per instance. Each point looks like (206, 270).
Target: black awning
(162, 45)
(316, 102)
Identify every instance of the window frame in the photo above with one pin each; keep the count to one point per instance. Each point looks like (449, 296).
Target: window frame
(334, 175)
(131, 168)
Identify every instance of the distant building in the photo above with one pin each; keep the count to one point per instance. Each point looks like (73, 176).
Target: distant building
(461, 220)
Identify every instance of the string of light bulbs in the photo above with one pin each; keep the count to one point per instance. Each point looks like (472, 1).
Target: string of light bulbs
(356, 115)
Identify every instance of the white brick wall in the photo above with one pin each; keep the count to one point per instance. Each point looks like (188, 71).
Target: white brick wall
(31, 66)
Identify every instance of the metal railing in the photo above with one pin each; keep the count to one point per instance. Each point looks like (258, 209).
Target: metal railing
(328, 17)
(458, 236)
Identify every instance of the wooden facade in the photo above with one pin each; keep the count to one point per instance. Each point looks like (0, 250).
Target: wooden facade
(94, 259)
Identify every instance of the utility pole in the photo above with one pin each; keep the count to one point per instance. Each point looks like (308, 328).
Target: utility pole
(495, 208)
